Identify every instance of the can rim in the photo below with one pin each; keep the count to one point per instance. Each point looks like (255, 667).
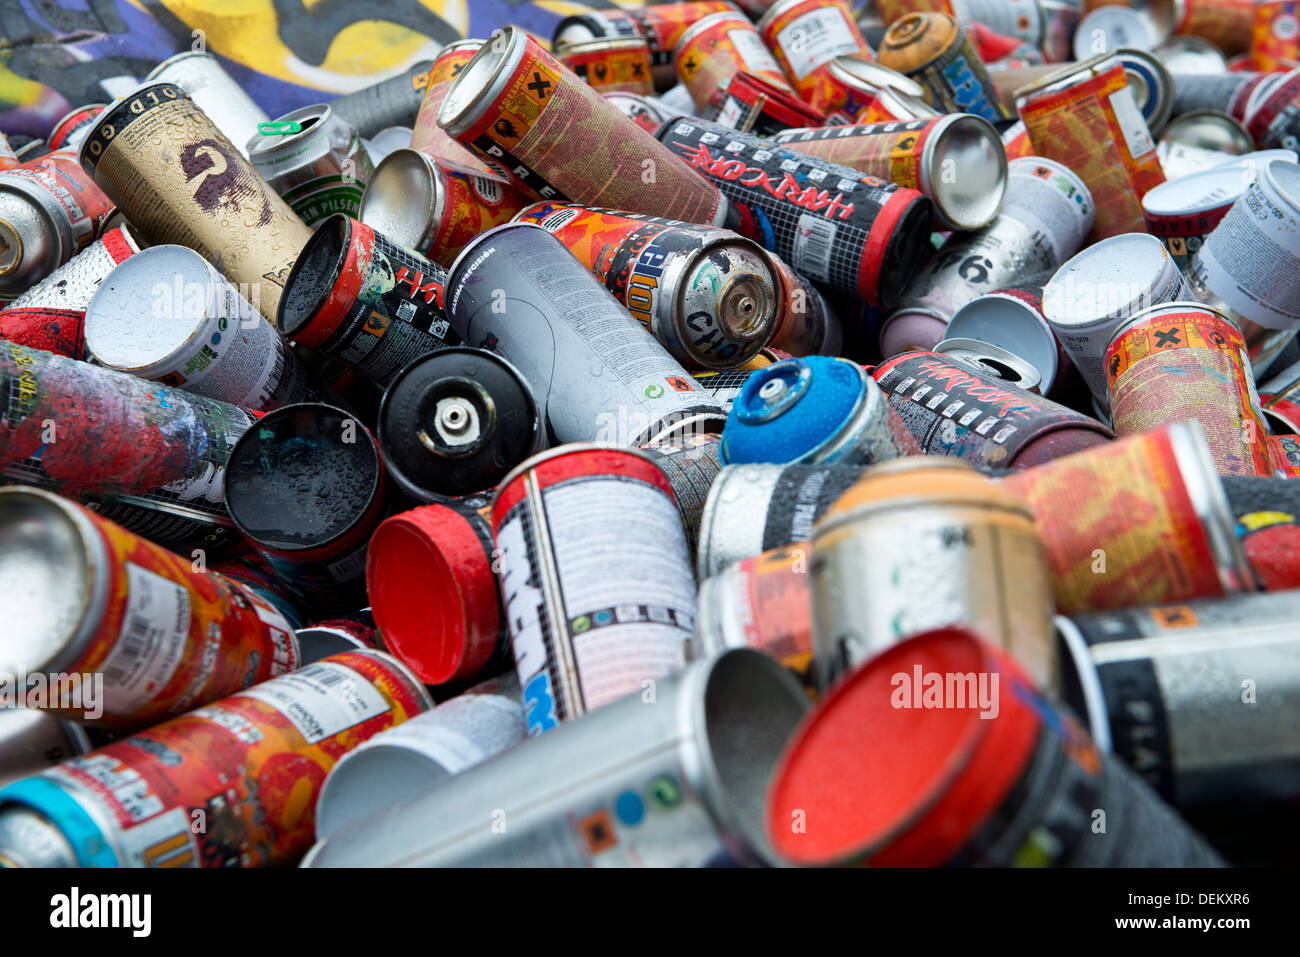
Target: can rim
(1085, 670)
(835, 522)
(860, 73)
(569, 448)
(462, 106)
(948, 135)
(778, 8)
(176, 58)
(1159, 309)
(605, 43)
(1194, 119)
(1078, 70)
(431, 209)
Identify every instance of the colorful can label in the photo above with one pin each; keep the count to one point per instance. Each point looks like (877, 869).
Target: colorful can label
(431, 139)
(60, 177)
(806, 37)
(891, 151)
(1274, 36)
(612, 65)
(717, 50)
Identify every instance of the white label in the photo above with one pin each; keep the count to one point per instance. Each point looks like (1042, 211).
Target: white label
(151, 643)
(817, 37)
(163, 841)
(558, 220)
(348, 567)
(756, 56)
(1137, 136)
(321, 699)
(463, 732)
(729, 115)
(814, 237)
(488, 190)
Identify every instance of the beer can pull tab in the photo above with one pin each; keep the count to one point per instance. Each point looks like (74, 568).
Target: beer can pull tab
(279, 126)
(778, 388)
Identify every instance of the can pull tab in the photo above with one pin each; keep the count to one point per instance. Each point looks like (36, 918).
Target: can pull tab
(279, 126)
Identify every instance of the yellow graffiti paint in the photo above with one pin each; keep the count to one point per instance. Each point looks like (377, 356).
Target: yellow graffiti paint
(1257, 520)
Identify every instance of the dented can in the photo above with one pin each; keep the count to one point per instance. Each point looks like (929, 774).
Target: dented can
(1011, 319)
(595, 579)
(213, 91)
(806, 36)
(935, 51)
(711, 297)
(719, 47)
(165, 637)
(247, 768)
(871, 93)
(314, 161)
(612, 64)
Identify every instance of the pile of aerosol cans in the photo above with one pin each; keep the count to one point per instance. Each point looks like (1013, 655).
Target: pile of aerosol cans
(675, 441)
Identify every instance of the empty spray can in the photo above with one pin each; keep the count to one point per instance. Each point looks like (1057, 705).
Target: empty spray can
(1011, 319)
(427, 136)
(691, 464)
(514, 102)
(857, 234)
(595, 578)
(711, 297)
(806, 325)
(392, 102)
(1225, 23)
(720, 46)
(935, 51)
(597, 374)
(1183, 211)
(314, 161)
(611, 64)
(164, 637)
(752, 104)
(675, 784)
(807, 36)
(200, 334)
(992, 360)
(69, 131)
(213, 90)
(181, 181)
(871, 93)
(249, 767)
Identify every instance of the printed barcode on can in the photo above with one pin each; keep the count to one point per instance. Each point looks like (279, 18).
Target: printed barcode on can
(150, 644)
(349, 566)
(326, 676)
(813, 238)
(321, 700)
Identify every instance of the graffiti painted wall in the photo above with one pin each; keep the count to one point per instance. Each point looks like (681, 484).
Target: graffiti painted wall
(57, 54)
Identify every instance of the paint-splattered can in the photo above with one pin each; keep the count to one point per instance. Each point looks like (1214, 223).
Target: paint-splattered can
(661, 24)
(1179, 361)
(1267, 516)
(595, 578)
(32, 740)
(165, 637)
(1139, 521)
(858, 234)
(306, 487)
(517, 291)
(1044, 219)
(752, 509)
(422, 203)
(181, 181)
(669, 784)
(392, 102)
(455, 423)
(751, 104)
(957, 160)
(1183, 211)
(1012, 319)
(932, 49)
(213, 91)
(711, 297)
(514, 102)
(416, 756)
(429, 138)
(249, 571)
(168, 316)
(233, 784)
(956, 410)
(992, 360)
(815, 409)
(51, 315)
(1022, 783)
(69, 131)
(1084, 116)
(49, 211)
(1097, 290)
(359, 297)
(762, 602)
(806, 36)
(612, 64)
(314, 161)
(691, 464)
(920, 544)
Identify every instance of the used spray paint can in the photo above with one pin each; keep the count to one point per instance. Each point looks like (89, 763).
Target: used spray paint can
(51, 315)
(1180, 361)
(431, 579)
(719, 47)
(361, 298)
(752, 104)
(1162, 688)
(752, 509)
(392, 102)
(455, 423)
(1274, 36)
(992, 360)
(597, 374)
(1225, 23)
(415, 757)
(1199, 141)
(612, 64)
(1011, 319)
(921, 544)
(932, 49)
(646, 112)
(691, 464)
(32, 740)
(1224, 92)
(199, 333)
(423, 204)
(249, 767)
(807, 36)
(1021, 781)
(958, 161)
(595, 579)
(1084, 116)
(1105, 29)
(711, 297)
(762, 603)
(514, 102)
(857, 234)
(1141, 520)
(806, 325)
(816, 409)
(956, 410)
(1267, 517)
(871, 93)
(1183, 211)
(336, 635)
(49, 211)
(314, 161)
(673, 784)
(429, 138)
(165, 637)
(1043, 221)
(306, 487)
(1097, 290)
(69, 131)
(221, 99)
(181, 181)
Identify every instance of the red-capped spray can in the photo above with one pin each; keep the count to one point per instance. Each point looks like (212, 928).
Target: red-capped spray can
(164, 637)
(233, 784)
(595, 578)
(719, 47)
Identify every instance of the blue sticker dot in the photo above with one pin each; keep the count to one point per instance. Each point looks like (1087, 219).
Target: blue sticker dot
(630, 808)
